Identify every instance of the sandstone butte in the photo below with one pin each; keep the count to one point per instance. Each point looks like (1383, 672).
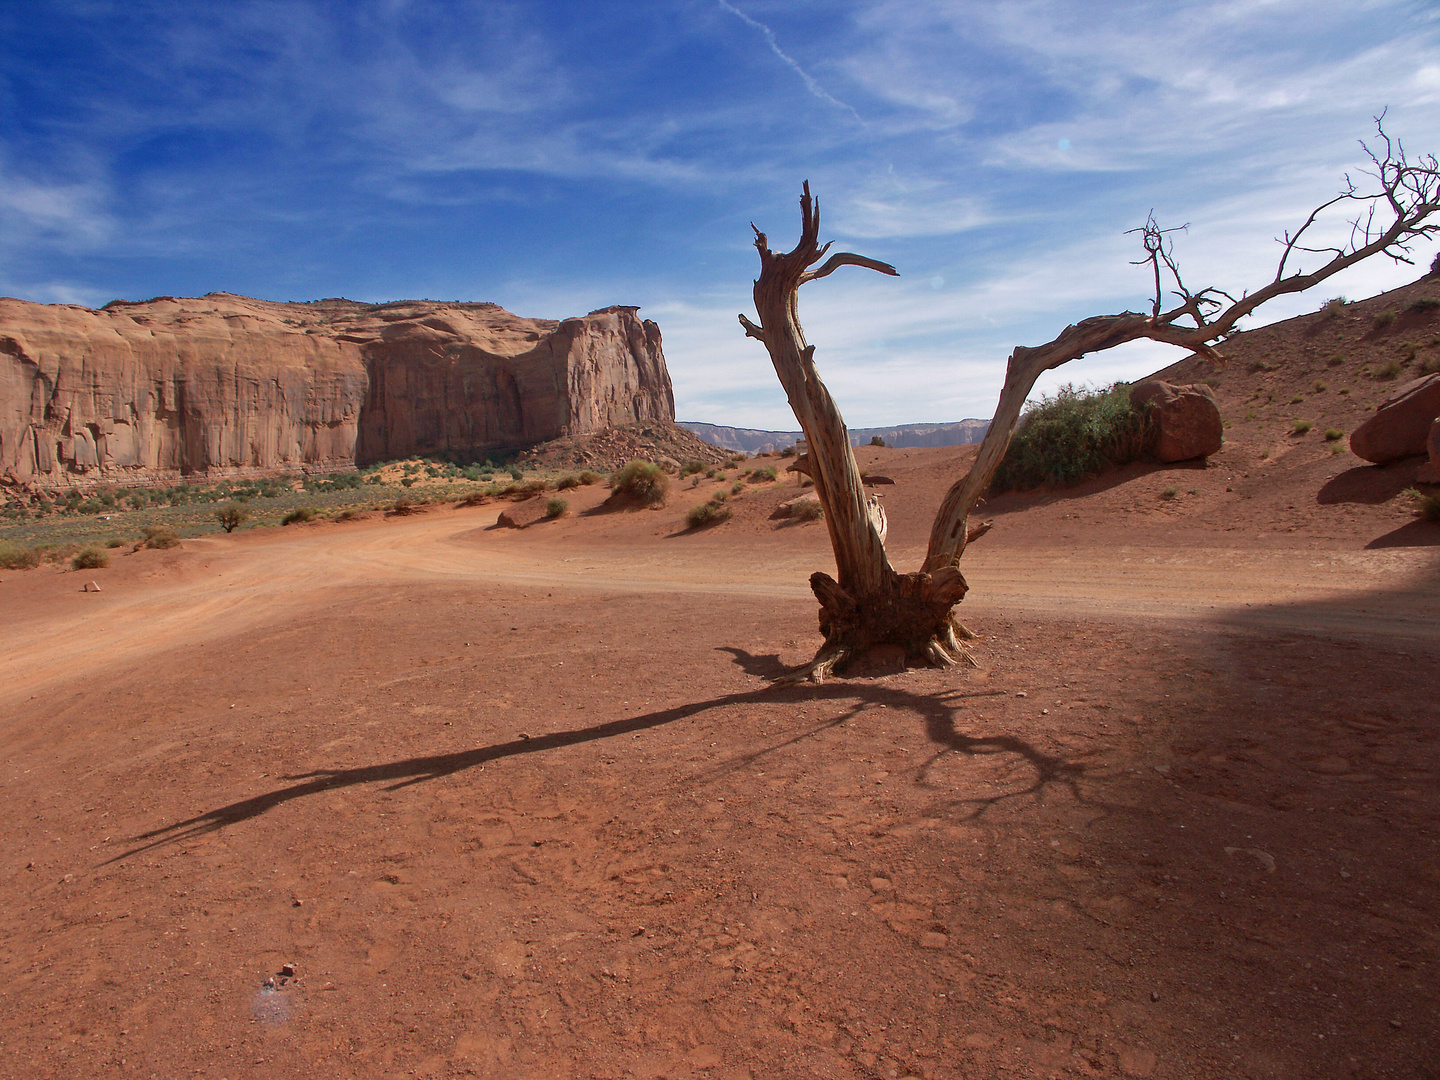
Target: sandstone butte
(226, 385)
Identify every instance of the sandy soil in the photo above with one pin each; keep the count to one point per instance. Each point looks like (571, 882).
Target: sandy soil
(520, 803)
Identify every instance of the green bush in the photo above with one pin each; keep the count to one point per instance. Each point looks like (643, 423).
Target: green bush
(516, 474)
(565, 483)
(1388, 370)
(691, 467)
(15, 556)
(92, 557)
(1334, 433)
(1383, 318)
(876, 440)
(160, 536)
(300, 514)
(1300, 427)
(737, 487)
(232, 516)
(643, 482)
(1425, 303)
(709, 513)
(114, 542)
(555, 508)
(763, 476)
(1073, 435)
(587, 478)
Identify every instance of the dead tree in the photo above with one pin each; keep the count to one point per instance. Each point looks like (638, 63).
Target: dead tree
(872, 606)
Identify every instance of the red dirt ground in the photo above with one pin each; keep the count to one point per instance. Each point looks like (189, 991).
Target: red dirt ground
(522, 804)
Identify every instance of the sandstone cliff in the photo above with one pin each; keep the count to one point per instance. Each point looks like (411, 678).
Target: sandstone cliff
(226, 384)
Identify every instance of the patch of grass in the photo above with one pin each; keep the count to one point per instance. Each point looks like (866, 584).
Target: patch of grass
(1334, 306)
(1332, 434)
(1249, 415)
(1075, 434)
(300, 514)
(1388, 370)
(1300, 427)
(1430, 365)
(1261, 365)
(114, 542)
(587, 478)
(763, 476)
(708, 513)
(1168, 493)
(1424, 304)
(92, 557)
(807, 510)
(690, 468)
(1345, 390)
(788, 451)
(737, 487)
(1426, 506)
(1320, 386)
(15, 556)
(1298, 399)
(555, 508)
(1335, 361)
(1383, 319)
(565, 483)
(643, 482)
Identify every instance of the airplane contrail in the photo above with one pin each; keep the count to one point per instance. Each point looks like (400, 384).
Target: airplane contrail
(810, 84)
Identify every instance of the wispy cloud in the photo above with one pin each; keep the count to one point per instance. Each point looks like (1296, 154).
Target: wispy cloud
(794, 65)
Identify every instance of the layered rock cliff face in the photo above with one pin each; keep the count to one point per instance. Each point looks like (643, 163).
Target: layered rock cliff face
(225, 384)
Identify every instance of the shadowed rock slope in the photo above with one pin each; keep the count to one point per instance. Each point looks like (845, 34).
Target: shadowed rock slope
(225, 384)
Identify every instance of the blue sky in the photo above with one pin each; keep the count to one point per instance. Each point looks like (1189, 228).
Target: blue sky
(556, 157)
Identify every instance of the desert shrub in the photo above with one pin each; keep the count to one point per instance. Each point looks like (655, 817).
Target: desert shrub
(475, 498)
(643, 482)
(1168, 493)
(876, 440)
(300, 514)
(160, 536)
(1383, 319)
(15, 556)
(763, 476)
(565, 483)
(347, 515)
(1431, 365)
(555, 508)
(1334, 305)
(1320, 386)
(708, 513)
(516, 474)
(1300, 427)
(1388, 370)
(1426, 506)
(690, 468)
(1075, 434)
(114, 542)
(1335, 361)
(587, 478)
(1298, 399)
(807, 510)
(1435, 266)
(232, 516)
(734, 462)
(789, 451)
(737, 487)
(1334, 433)
(91, 557)
(1262, 365)
(1424, 304)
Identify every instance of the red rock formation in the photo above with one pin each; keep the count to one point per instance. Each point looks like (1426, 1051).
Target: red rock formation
(225, 384)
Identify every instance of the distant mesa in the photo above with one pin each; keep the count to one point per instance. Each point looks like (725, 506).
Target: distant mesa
(755, 440)
(225, 385)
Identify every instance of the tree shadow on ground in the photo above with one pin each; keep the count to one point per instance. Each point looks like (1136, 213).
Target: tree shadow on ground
(936, 710)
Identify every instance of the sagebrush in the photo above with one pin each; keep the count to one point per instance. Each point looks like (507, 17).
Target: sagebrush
(1076, 434)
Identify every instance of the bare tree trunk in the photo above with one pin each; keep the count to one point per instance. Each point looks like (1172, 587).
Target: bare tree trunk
(873, 608)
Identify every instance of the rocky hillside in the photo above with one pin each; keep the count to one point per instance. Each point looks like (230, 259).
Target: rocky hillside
(224, 384)
(755, 440)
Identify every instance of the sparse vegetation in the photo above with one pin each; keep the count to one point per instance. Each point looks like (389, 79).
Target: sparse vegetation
(1168, 493)
(737, 487)
(555, 508)
(765, 475)
(566, 483)
(1430, 365)
(1425, 304)
(807, 510)
(1332, 434)
(1426, 506)
(300, 514)
(642, 482)
(708, 513)
(1075, 434)
(1320, 386)
(1300, 427)
(690, 468)
(1298, 399)
(1383, 319)
(91, 557)
(876, 440)
(1335, 361)
(1388, 370)
(587, 478)
(15, 556)
(160, 536)
(1334, 306)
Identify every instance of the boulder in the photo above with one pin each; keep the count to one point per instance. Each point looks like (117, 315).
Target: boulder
(1402, 423)
(1187, 417)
